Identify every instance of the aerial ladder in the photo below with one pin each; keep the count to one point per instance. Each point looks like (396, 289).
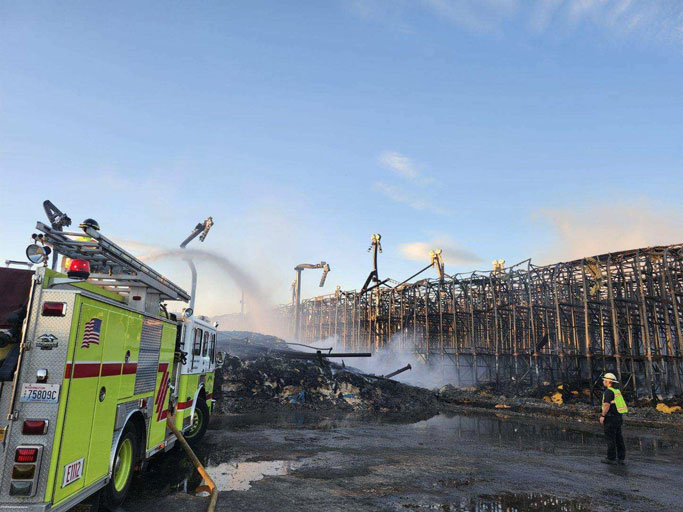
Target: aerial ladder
(375, 247)
(200, 230)
(296, 289)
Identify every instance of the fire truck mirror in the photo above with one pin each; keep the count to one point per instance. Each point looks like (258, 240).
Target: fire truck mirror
(36, 254)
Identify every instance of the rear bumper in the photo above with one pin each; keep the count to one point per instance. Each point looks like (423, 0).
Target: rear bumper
(62, 507)
(40, 507)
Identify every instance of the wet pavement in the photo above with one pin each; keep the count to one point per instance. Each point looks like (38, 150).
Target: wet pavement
(302, 461)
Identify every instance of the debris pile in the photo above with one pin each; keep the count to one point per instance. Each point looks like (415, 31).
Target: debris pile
(572, 393)
(570, 402)
(263, 374)
(262, 379)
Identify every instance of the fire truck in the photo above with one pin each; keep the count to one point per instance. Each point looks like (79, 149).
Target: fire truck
(98, 366)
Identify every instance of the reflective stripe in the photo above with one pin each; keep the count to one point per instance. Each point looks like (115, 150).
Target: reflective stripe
(86, 369)
(185, 405)
(619, 401)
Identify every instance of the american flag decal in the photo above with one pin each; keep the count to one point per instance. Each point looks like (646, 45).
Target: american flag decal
(91, 335)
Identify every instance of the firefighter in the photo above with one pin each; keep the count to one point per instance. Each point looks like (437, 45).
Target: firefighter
(611, 418)
(9, 344)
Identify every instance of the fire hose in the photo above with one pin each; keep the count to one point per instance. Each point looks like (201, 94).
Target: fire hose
(210, 484)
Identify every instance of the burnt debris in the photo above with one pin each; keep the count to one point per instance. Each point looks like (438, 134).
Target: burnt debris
(259, 373)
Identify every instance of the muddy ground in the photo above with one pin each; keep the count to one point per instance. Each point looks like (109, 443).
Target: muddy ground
(300, 460)
(305, 435)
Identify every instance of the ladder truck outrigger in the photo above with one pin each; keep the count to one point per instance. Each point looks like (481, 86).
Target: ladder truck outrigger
(98, 366)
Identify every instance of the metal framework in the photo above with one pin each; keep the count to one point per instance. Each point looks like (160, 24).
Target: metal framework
(526, 324)
(118, 270)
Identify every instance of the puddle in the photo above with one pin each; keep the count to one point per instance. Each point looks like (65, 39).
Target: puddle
(531, 502)
(347, 441)
(318, 420)
(238, 476)
(509, 502)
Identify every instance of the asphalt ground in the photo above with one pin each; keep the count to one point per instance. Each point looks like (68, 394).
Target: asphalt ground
(302, 461)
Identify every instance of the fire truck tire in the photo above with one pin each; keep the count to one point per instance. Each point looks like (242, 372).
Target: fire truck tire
(122, 472)
(200, 423)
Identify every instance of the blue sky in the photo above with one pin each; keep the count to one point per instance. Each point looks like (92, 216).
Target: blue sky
(493, 129)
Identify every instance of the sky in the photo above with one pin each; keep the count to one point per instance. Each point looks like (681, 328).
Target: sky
(492, 129)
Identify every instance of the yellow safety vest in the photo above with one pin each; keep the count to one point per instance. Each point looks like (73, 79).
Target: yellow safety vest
(618, 401)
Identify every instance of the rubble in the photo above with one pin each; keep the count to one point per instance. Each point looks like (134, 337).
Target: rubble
(260, 380)
(256, 376)
(565, 402)
(266, 382)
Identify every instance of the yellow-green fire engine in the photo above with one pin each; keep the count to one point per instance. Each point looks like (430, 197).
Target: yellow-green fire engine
(100, 365)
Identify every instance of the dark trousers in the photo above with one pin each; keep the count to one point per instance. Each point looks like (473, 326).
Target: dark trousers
(615, 441)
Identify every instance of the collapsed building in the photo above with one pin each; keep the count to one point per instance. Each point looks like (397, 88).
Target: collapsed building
(525, 324)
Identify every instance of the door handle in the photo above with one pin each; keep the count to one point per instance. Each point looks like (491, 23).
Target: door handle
(103, 393)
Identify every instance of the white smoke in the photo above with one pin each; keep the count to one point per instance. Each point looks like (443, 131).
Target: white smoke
(396, 354)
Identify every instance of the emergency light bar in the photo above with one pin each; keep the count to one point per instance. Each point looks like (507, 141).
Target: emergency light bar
(79, 269)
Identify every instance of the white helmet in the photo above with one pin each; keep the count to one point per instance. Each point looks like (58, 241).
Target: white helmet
(610, 377)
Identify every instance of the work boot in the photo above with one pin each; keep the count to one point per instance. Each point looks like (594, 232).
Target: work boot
(609, 461)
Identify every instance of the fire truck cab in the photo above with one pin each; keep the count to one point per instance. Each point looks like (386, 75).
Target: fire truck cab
(96, 365)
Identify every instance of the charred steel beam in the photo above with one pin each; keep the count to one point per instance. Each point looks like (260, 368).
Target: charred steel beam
(568, 321)
(315, 355)
(400, 370)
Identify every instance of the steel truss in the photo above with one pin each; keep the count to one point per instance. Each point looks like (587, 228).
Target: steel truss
(567, 322)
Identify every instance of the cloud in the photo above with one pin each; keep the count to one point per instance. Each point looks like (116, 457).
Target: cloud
(399, 164)
(404, 167)
(542, 14)
(452, 253)
(595, 230)
(659, 20)
(416, 193)
(475, 15)
(409, 198)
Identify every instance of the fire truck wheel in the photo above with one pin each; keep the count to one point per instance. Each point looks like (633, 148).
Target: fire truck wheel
(122, 472)
(199, 423)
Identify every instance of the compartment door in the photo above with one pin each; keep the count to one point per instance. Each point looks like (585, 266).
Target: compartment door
(83, 372)
(114, 346)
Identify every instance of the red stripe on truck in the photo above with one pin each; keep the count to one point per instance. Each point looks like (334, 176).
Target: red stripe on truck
(109, 369)
(85, 370)
(130, 368)
(184, 405)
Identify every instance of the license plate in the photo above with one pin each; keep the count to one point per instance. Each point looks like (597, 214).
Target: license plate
(45, 393)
